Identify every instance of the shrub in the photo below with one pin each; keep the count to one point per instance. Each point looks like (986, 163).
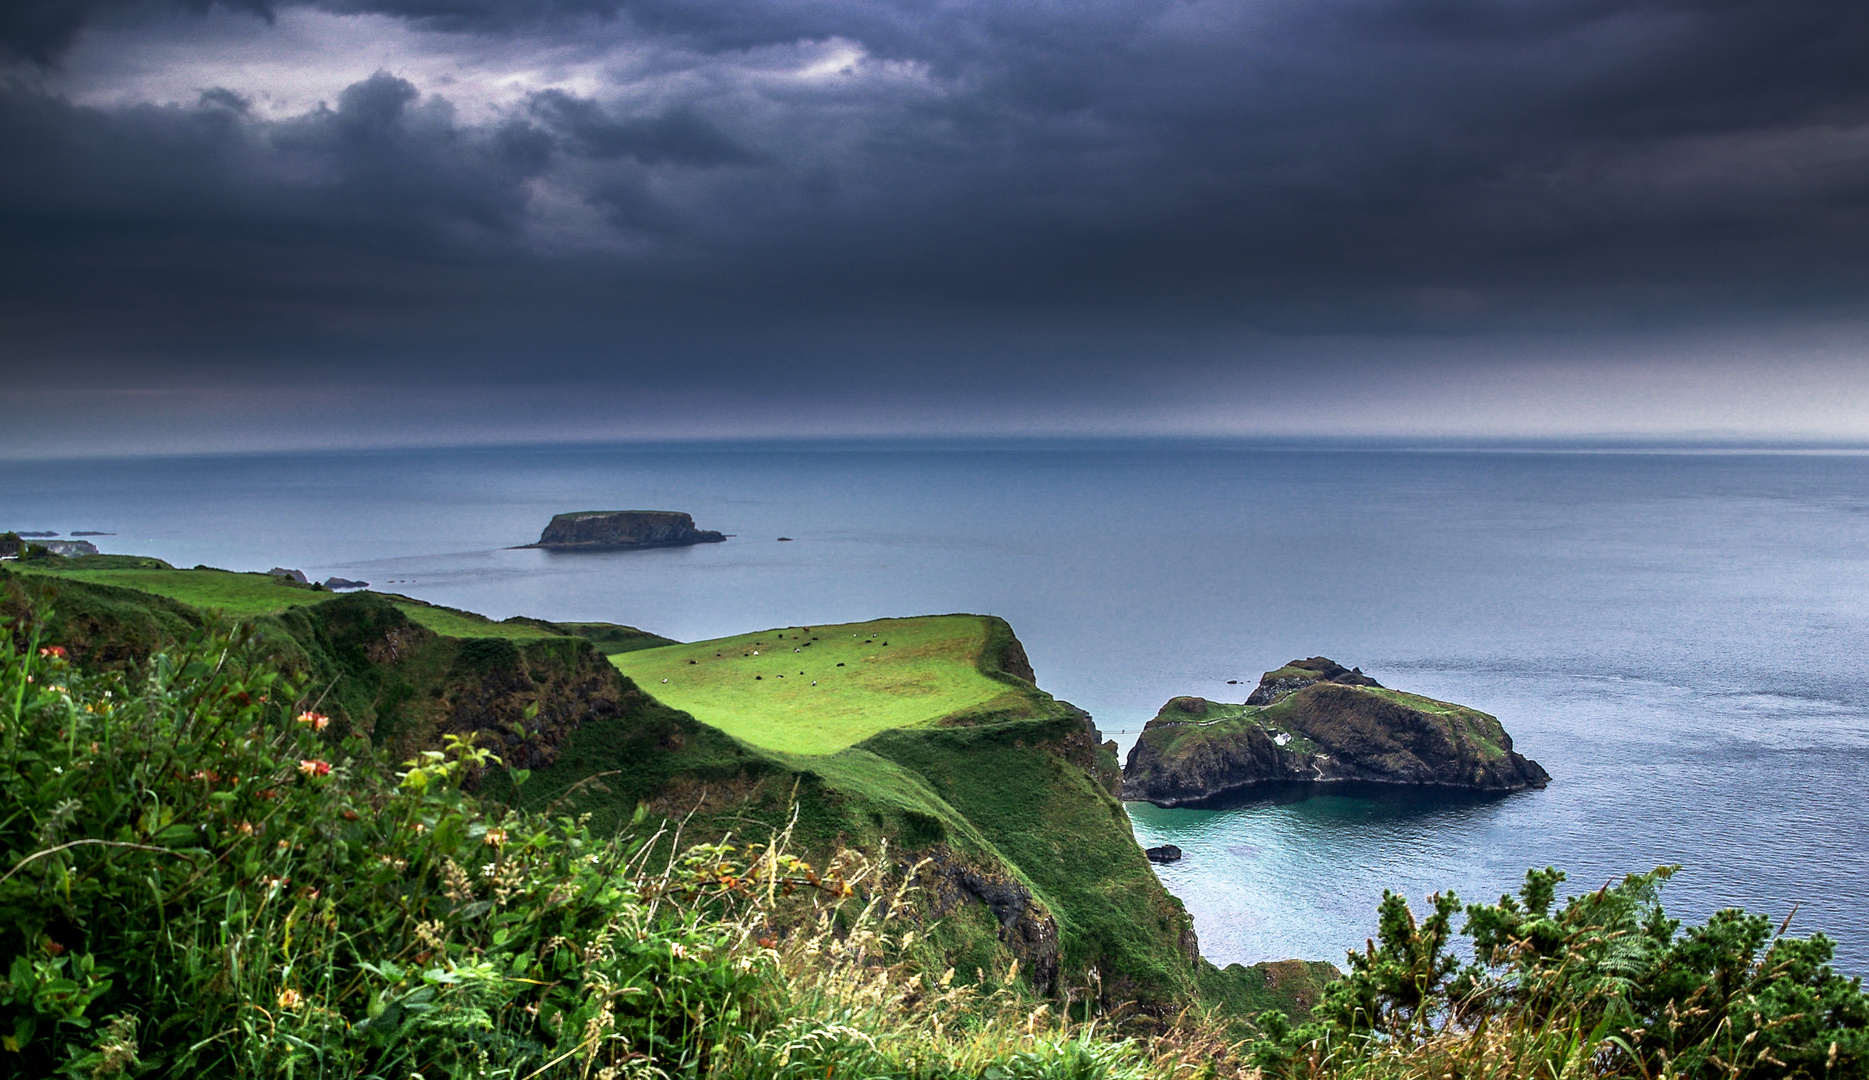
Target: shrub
(1606, 985)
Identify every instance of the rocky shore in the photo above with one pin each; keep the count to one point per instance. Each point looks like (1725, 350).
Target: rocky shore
(1315, 721)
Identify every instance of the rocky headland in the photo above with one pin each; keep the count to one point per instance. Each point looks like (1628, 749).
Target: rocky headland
(614, 530)
(1316, 721)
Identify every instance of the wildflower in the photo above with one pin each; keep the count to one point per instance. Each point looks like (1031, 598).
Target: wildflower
(290, 999)
(53, 652)
(315, 721)
(245, 828)
(54, 948)
(311, 767)
(494, 837)
(275, 882)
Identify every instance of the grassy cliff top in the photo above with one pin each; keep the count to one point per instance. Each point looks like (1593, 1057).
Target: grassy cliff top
(819, 689)
(246, 595)
(1187, 721)
(1305, 718)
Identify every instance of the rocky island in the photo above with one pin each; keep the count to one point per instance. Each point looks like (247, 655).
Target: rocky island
(615, 530)
(1316, 721)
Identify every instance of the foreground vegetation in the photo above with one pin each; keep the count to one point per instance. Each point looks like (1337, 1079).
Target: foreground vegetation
(211, 863)
(1603, 985)
(1028, 865)
(203, 880)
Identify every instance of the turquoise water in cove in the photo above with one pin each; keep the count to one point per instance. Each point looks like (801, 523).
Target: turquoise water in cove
(1681, 639)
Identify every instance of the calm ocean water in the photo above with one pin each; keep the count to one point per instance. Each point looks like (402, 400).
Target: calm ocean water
(1682, 640)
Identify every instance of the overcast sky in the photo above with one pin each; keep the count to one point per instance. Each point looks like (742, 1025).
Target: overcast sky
(349, 222)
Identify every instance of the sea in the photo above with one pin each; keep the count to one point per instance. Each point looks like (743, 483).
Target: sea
(1681, 638)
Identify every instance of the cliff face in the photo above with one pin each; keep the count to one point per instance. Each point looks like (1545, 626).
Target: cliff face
(612, 529)
(1314, 721)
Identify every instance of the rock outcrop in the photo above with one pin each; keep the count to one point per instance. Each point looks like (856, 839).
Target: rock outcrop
(1302, 673)
(1315, 721)
(612, 530)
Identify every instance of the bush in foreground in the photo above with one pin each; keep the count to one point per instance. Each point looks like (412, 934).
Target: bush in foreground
(1607, 985)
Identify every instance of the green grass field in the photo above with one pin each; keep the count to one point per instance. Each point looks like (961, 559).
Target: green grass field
(244, 596)
(784, 689)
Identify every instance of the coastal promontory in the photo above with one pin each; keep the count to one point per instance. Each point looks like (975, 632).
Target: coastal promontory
(1315, 721)
(614, 530)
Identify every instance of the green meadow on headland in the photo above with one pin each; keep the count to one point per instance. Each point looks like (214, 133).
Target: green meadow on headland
(916, 868)
(816, 690)
(244, 595)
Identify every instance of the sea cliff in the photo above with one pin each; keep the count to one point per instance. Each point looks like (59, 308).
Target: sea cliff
(1315, 721)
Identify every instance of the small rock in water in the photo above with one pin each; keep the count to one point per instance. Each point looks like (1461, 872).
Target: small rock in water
(289, 575)
(1166, 853)
(784, 539)
(336, 583)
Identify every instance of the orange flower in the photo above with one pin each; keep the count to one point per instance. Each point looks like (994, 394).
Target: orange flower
(290, 999)
(312, 767)
(315, 721)
(53, 651)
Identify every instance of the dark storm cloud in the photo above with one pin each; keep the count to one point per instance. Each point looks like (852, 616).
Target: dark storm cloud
(1314, 165)
(42, 30)
(589, 131)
